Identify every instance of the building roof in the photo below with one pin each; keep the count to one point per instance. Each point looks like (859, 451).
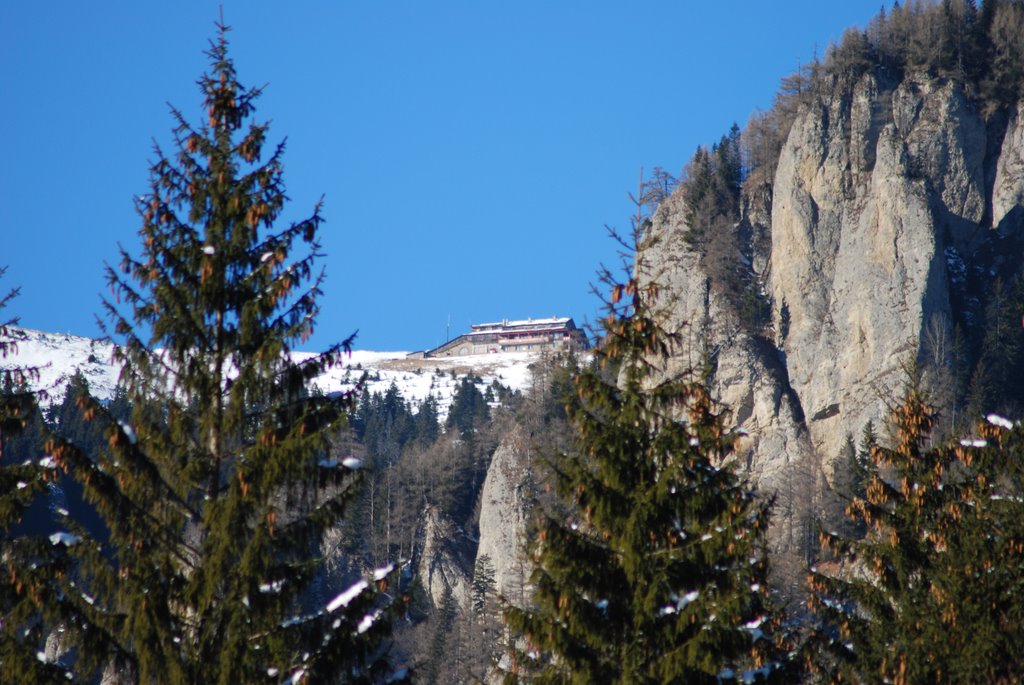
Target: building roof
(553, 321)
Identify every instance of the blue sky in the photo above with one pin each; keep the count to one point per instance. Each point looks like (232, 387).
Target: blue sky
(470, 153)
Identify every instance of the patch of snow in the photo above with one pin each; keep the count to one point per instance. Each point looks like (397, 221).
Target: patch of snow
(209, 250)
(343, 599)
(955, 266)
(64, 538)
(352, 463)
(272, 587)
(973, 442)
(679, 603)
(383, 572)
(755, 624)
(367, 622)
(997, 420)
(129, 432)
(295, 677)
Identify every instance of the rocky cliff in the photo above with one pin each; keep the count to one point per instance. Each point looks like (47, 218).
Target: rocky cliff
(445, 560)
(885, 195)
(506, 503)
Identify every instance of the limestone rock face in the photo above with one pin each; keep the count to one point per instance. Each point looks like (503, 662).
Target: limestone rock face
(504, 510)
(858, 250)
(879, 192)
(445, 562)
(750, 379)
(1008, 187)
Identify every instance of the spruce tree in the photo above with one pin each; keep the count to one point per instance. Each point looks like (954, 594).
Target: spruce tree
(652, 569)
(24, 486)
(468, 410)
(218, 490)
(18, 404)
(482, 587)
(932, 593)
(20, 428)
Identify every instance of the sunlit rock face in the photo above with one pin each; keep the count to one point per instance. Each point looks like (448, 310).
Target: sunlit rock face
(505, 507)
(883, 195)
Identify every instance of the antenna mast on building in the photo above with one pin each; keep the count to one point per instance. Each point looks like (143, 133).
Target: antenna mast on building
(448, 329)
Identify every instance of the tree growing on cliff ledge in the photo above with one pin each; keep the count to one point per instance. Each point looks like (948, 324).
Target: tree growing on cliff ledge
(217, 492)
(653, 569)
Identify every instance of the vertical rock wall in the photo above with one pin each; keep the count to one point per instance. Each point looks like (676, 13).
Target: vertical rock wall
(875, 187)
(505, 506)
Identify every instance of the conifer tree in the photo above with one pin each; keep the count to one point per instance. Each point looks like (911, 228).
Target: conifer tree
(439, 664)
(482, 586)
(481, 626)
(17, 403)
(932, 592)
(653, 569)
(20, 483)
(468, 409)
(218, 490)
(23, 486)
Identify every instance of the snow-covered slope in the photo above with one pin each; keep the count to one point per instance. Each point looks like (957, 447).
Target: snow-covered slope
(58, 356)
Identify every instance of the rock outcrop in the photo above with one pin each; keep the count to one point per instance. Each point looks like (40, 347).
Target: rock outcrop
(505, 506)
(1008, 186)
(857, 248)
(445, 562)
(880, 192)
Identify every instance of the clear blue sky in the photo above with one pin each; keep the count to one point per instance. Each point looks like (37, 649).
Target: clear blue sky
(470, 153)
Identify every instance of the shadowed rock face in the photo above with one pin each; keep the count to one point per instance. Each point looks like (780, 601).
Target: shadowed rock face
(445, 561)
(875, 191)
